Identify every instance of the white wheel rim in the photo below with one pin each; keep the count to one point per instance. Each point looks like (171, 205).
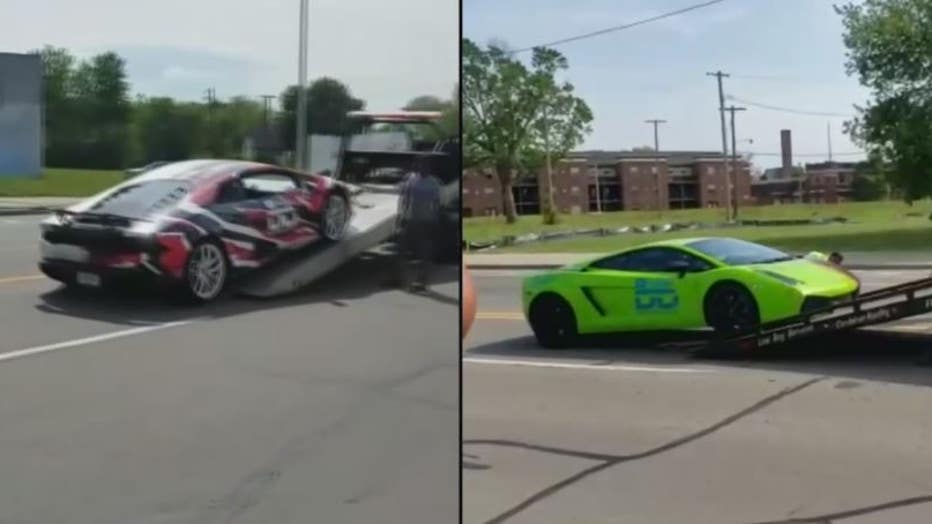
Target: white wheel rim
(335, 218)
(206, 271)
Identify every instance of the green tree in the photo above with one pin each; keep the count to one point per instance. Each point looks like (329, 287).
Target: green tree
(87, 110)
(451, 114)
(237, 118)
(108, 110)
(328, 102)
(866, 188)
(167, 130)
(888, 45)
(448, 125)
(514, 113)
(60, 126)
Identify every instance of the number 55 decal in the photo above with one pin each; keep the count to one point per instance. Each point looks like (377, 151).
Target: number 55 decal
(655, 295)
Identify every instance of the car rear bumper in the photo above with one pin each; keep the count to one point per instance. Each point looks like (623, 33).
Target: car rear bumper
(94, 276)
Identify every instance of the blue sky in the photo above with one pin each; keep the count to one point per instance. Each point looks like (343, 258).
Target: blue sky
(387, 52)
(785, 53)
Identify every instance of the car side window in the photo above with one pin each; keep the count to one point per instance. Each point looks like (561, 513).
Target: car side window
(269, 184)
(657, 259)
(231, 192)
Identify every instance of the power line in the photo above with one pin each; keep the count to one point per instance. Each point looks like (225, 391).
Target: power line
(792, 79)
(622, 27)
(788, 110)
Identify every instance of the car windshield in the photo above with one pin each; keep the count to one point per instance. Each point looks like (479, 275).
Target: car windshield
(734, 252)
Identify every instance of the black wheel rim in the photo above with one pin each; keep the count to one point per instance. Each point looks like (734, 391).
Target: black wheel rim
(734, 310)
(554, 320)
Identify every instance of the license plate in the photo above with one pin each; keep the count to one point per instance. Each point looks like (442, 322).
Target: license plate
(88, 279)
(64, 252)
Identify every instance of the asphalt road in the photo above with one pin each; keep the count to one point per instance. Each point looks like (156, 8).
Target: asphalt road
(338, 404)
(838, 430)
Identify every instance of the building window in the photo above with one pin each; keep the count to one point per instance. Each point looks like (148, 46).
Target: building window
(574, 170)
(653, 169)
(527, 200)
(608, 197)
(574, 189)
(710, 170)
(489, 191)
(711, 187)
(634, 169)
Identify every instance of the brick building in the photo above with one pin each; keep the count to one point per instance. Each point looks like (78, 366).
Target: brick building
(588, 181)
(823, 182)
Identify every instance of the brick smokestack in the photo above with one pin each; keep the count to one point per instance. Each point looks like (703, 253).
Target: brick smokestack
(786, 148)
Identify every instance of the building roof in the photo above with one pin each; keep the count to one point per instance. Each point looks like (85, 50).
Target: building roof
(604, 156)
(831, 165)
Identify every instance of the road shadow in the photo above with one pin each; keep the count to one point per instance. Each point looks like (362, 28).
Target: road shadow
(861, 354)
(365, 276)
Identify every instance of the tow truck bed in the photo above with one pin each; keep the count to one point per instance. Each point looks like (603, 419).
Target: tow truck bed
(372, 224)
(876, 307)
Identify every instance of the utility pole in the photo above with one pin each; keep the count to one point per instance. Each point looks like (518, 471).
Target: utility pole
(721, 109)
(734, 159)
(656, 123)
(301, 131)
(829, 141)
(267, 107)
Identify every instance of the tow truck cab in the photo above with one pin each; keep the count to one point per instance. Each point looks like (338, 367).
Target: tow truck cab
(381, 148)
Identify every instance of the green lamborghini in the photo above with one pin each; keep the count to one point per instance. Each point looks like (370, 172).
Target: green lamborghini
(684, 284)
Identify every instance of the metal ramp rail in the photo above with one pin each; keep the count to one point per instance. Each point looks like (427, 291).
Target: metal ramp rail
(876, 307)
(373, 223)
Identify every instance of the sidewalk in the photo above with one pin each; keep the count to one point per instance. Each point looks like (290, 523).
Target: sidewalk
(891, 260)
(34, 205)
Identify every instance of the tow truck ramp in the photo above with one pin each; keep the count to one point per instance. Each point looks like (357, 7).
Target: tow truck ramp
(373, 223)
(876, 307)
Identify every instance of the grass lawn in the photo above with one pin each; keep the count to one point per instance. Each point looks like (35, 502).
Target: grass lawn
(60, 183)
(874, 226)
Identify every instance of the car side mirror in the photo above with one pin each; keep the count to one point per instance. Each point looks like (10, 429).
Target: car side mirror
(680, 267)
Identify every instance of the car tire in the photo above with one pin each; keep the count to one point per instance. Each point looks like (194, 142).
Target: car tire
(730, 308)
(206, 272)
(334, 219)
(553, 322)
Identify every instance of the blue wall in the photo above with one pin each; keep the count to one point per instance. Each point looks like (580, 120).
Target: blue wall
(20, 115)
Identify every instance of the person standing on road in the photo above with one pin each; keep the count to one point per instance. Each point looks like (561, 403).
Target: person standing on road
(418, 215)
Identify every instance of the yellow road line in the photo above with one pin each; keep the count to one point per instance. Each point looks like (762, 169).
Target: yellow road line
(24, 278)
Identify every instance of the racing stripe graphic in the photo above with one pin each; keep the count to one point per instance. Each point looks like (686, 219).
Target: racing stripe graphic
(242, 254)
(212, 222)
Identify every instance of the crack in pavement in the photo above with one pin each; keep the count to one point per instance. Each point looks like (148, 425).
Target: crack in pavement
(829, 518)
(608, 460)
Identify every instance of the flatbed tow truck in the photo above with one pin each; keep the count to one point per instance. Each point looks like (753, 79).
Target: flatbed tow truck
(375, 204)
(868, 309)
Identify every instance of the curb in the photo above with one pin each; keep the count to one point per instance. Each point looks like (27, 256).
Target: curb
(486, 266)
(19, 211)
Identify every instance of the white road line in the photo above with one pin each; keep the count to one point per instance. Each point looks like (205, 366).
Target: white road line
(568, 365)
(90, 340)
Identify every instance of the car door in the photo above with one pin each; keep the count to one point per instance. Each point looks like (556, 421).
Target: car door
(263, 202)
(646, 289)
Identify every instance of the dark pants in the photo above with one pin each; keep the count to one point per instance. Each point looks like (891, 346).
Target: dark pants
(416, 248)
